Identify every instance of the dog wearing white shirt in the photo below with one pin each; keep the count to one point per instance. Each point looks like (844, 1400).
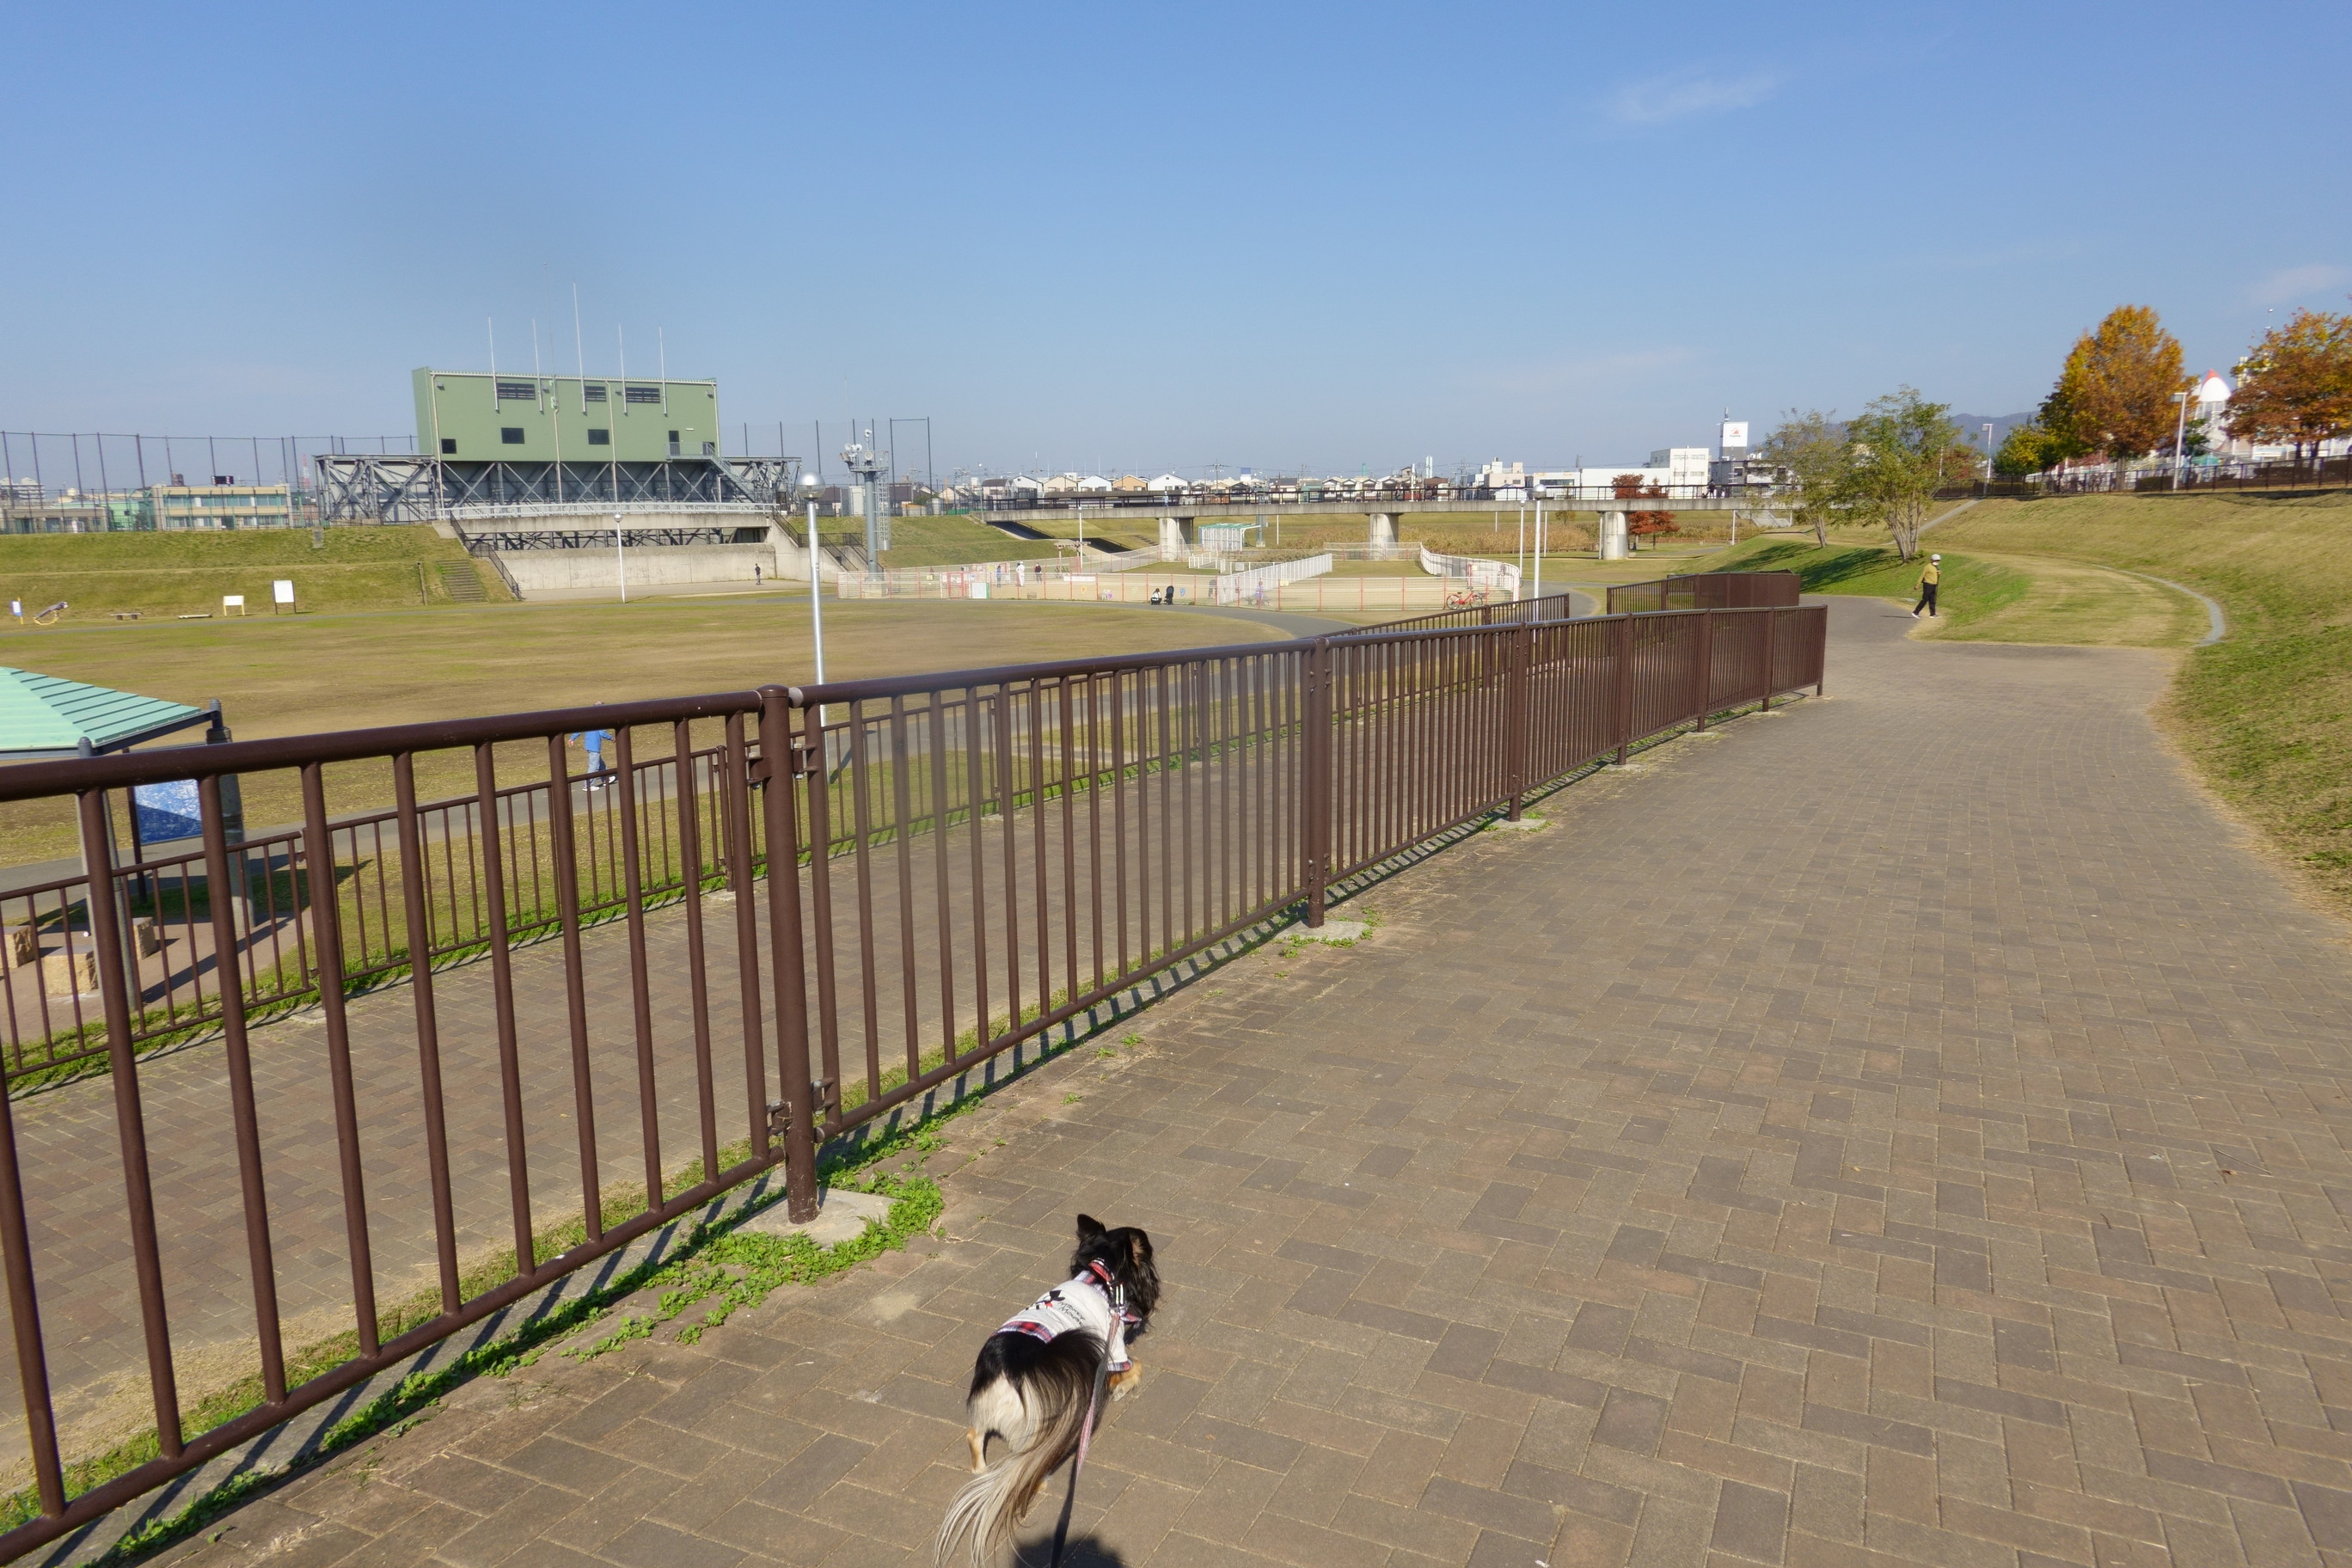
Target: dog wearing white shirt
(1034, 1379)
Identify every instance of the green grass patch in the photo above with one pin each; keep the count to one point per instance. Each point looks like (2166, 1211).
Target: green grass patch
(1973, 590)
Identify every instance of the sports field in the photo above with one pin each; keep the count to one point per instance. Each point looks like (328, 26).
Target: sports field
(294, 676)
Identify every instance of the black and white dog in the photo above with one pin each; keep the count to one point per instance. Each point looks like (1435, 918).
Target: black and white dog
(1034, 1379)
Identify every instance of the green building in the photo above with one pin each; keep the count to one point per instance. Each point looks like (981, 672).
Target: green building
(469, 417)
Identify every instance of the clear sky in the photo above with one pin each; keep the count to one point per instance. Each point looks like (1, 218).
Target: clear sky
(1139, 237)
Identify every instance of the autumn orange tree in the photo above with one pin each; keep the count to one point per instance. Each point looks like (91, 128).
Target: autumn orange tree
(2295, 384)
(2114, 398)
(1641, 524)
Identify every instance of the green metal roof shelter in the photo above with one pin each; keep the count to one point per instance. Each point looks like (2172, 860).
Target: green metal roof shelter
(44, 716)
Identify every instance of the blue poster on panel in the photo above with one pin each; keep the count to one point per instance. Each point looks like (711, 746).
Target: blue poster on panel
(167, 811)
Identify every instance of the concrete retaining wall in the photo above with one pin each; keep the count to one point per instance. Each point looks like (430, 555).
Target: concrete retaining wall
(541, 571)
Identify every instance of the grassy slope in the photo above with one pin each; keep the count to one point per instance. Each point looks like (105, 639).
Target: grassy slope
(1992, 596)
(1973, 592)
(952, 541)
(166, 574)
(2266, 713)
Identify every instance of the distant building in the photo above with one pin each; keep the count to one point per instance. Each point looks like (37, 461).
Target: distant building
(1737, 467)
(171, 506)
(221, 506)
(1505, 483)
(1682, 465)
(2212, 410)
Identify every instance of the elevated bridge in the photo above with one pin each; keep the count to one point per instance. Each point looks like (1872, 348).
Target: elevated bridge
(1180, 517)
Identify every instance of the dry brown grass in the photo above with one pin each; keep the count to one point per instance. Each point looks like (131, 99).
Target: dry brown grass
(300, 675)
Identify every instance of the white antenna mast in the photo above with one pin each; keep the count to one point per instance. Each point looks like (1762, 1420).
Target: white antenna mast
(579, 349)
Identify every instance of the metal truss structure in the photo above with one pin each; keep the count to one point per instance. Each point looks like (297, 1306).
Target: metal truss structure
(407, 488)
(478, 540)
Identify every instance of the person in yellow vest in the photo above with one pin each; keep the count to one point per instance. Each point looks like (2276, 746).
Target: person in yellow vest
(1930, 577)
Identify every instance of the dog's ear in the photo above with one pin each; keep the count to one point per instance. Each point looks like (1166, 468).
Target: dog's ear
(1089, 1228)
(1138, 1247)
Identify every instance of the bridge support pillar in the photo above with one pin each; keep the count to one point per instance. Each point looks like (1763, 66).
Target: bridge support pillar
(1382, 531)
(1175, 537)
(1614, 541)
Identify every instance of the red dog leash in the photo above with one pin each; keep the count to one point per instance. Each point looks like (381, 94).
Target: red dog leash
(1085, 1432)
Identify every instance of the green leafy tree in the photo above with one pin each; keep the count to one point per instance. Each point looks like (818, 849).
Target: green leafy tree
(2114, 398)
(2295, 384)
(1809, 446)
(2026, 449)
(1900, 451)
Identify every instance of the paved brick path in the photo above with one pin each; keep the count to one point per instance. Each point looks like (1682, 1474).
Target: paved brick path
(1904, 1131)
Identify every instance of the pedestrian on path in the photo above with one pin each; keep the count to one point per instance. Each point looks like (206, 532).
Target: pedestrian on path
(1930, 577)
(598, 769)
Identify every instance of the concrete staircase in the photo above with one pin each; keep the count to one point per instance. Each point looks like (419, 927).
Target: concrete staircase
(462, 583)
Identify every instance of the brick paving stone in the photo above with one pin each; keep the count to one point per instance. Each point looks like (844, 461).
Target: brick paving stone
(1905, 1130)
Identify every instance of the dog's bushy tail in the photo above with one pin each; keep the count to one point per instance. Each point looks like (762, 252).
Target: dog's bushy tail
(981, 1521)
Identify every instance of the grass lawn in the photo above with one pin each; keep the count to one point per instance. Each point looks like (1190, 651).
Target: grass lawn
(285, 677)
(2265, 714)
(165, 575)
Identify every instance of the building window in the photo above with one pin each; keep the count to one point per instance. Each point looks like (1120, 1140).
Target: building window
(517, 392)
(599, 437)
(645, 395)
(510, 434)
(448, 446)
(673, 443)
(593, 394)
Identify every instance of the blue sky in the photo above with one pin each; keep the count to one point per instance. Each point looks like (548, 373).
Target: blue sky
(1135, 237)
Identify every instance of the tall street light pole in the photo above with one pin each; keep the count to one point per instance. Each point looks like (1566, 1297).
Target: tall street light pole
(620, 561)
(1540, 549)
(2179, 434)
(816, 599)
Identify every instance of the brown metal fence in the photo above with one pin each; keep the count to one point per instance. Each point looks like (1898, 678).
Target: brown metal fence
(1705, 591)
(584, 985)
(1503, 612)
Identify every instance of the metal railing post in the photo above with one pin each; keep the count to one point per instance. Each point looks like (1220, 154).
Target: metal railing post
(106, 934)
(1624, 703)
(1517, 715)
(1315, 779)
(1706, 666)
(780, 767)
